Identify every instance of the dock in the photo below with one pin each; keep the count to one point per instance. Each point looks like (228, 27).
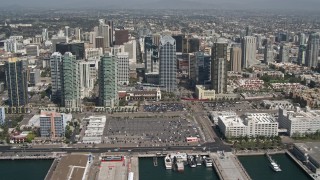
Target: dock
(155, 161)
(135, 167)
(228, 166)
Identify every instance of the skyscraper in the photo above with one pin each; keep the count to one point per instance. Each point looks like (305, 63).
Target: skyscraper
(219, 67)
(123, 68)
(71, 98)
(179, 42)
(194, 45)
(248, 31)
(76, 49)
(284, 53)
(312, 52)
(302, 39)
(248, 51)
(121, 37)
(203, 62)
(302, 55)
(17, 84)
(235, 57)
(108, 86)
(55, 66)
(104, 31)
(99, 41)
(268, 53)
(111, 28)
(168, 64)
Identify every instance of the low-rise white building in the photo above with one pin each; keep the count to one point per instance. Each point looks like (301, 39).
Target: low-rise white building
(299, 122)
(94, 130)
(251, 124)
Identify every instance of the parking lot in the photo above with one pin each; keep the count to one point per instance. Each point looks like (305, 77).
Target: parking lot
(228, 106)
(164, 107)
(151, 131)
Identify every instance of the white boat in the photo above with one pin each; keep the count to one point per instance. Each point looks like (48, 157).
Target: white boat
(192, 162)
(273, 164)
(179, 156)
(208, 162)
(168, 162)
(275, 167)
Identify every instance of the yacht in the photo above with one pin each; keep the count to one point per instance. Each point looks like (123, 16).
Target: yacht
(168, 162)
(273, 164)
(207, 161)
(198, 160)
(191, 161)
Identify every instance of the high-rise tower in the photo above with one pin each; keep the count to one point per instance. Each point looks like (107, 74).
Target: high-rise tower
(108, 83)
(248, 51)
(219, 67)
(312, 52)
(168, 64)
(16, 77)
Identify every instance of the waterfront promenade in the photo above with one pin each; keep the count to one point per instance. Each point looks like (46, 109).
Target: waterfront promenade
(228, 166)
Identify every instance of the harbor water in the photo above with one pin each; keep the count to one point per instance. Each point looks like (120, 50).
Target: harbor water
(24, 169)
(258, 167)
(148, 171)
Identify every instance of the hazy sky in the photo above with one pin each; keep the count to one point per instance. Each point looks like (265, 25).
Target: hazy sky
(175, 4)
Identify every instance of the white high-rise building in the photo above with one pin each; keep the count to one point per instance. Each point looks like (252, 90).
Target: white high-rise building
(123, 68)
(10, 45)
(86, 81)
(131, 48)
(77, 34)
(55, 66)
(104, 31)
(168, 64)
(248, 51)
(92, 38)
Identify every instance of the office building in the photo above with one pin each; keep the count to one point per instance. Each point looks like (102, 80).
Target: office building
(93, 53)
(17, 82)
(108, 83)
(284, 53)
(179, 42)
(299, 122)
(104, 31)
(312, 52)
(121, 37)
(205, 93)
(2, 116)
(10, 45)
(85, 79)
(168, 64)
(235, 57)
(219, 67)
(123, 68)
(111, 28)
(131, 48)
(45, 34)
(77, 34)
(52, 125)
(203, 63)
(151, 56)
(34, 77)
(251, 124)
(302, 39)
(99, 41)
(268, 53)
(76, 49)
(248, 31)
(248, 51)
(302, 55)
(194, 45)
(156, 39)
(70, 84)
(56, 70)
(32, 50)
(92, 39)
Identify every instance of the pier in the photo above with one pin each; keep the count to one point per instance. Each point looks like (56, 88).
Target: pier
(228, 166)
(155, 161)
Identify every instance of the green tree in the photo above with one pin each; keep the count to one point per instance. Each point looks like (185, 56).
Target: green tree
(30, 137)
